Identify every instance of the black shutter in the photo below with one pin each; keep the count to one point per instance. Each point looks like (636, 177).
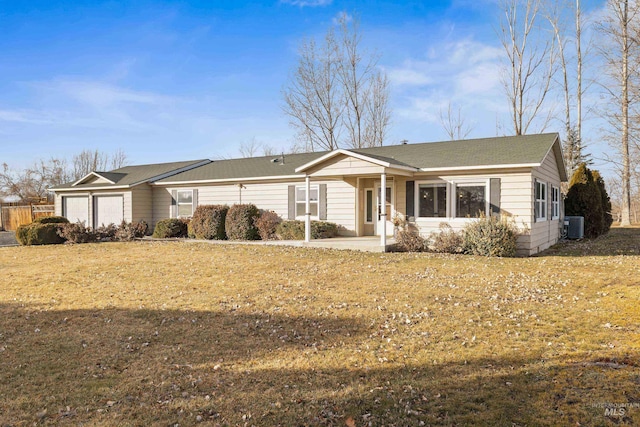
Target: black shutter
(410, 198)
(494, 195)
(292, 202)
(322, 208)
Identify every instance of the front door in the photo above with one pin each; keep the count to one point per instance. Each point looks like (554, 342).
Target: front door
(387, 205)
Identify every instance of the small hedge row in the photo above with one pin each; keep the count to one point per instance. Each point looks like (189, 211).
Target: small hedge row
(485, 236)
(240, 222)
(294, 230)
(55, 230)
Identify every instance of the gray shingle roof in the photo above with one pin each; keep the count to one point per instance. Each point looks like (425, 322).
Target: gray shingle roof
(509, 150)
(129, 175)
(497, 151)
(266, 166)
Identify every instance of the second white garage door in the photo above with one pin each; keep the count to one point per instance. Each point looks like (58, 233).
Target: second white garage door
(108, 210)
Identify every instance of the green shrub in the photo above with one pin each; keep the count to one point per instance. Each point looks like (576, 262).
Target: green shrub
(240, 223)
(491, 236)
(39, 234)
(77, 233)
(170, 227)
(128, 231)
(447, 240)
(585, 199)
(290, 230)
(208, 222)
(607, 218)
(51, 220)
(323, 230)
(294, 230)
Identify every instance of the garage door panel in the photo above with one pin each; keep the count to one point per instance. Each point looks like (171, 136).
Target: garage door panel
(108, 210)
(76, 208)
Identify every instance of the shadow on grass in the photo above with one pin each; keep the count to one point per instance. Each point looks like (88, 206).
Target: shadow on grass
(146, 367)
(619, 241)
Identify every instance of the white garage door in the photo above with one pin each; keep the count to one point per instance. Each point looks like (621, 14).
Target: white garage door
(76, 209)
(108, 210)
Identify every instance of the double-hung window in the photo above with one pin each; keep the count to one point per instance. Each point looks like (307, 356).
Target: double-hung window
(185, 203)
(432, 200)
(555, 203)
(541, 201)
(470, 200)
(301, 199)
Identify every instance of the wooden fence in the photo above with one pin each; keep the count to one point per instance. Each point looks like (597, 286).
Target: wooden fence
(11, 217)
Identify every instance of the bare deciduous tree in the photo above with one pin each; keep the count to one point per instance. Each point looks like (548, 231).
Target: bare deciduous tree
(337, 96)
(454, 124)
(530, 63)
(33, 183)
(95, 160)
(620, 52)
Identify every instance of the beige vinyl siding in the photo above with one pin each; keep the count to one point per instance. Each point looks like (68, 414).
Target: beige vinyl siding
(142, 203)
(57, 205)
(161, 204)
(269, 196)
(515, 201)
(545, 233)
(346, 165)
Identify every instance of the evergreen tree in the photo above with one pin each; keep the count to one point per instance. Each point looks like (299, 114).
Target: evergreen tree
(584, 199)
(606, 202)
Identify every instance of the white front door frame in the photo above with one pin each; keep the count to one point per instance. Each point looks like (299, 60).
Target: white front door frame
(385, 227)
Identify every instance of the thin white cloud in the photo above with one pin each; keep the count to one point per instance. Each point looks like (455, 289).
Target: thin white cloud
(463, 72)
(307, 3)
(342, 16)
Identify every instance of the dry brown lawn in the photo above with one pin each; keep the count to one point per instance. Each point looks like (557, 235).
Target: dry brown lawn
(174, 333)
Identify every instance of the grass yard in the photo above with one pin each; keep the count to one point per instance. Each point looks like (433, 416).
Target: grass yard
(166, 333)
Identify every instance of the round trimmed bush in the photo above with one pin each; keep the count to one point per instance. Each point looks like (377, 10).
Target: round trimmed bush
(39, 234)
(170, 227)
(208, 222)
(267, 225)
(240, 223)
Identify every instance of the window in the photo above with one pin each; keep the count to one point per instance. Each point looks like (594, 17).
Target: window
(369, 206)
(470, 200)
(301, 198)
(432, 200)
(555, 203)
(541, 201)
(185, 203)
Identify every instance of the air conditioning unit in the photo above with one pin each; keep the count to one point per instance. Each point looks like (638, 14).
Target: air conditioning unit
(574, 227)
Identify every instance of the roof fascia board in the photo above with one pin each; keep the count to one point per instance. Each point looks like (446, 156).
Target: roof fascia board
(562, 167)
(339, 151)
(223, 180)
(96, 174)
(462, 168)
(115, 187)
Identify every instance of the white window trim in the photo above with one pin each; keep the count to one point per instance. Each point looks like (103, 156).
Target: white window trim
(452, 184)
(317, 202)
(178, 203)
(540, 201)
(416, 202)
(373, 205)
(470, 183)
(555, 202)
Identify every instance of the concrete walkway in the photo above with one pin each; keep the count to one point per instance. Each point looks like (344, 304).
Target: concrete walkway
(8, 238)
(364, 244)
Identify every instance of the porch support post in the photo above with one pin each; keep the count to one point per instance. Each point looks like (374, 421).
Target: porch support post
(383, 210)
(307, 209)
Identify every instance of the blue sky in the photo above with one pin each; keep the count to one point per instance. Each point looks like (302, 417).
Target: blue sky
(183, 80)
